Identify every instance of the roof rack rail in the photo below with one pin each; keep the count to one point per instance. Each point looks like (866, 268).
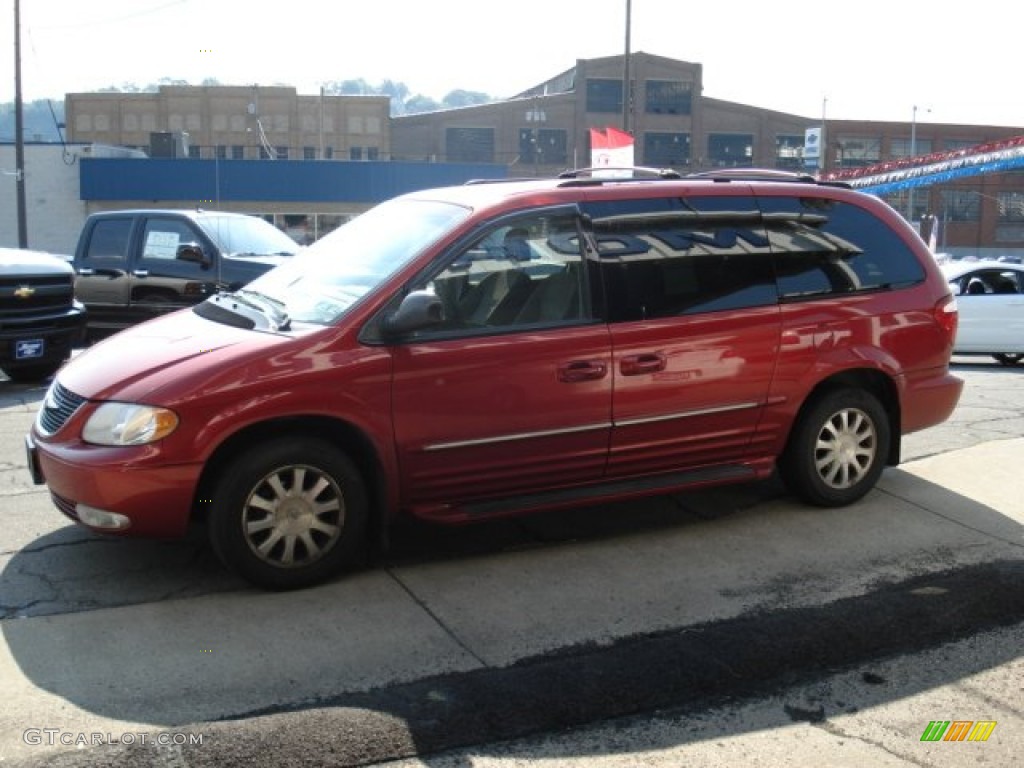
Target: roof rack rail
(619, 172)
(753, 174)
(505, 180)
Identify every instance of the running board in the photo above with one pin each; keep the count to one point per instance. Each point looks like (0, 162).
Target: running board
(604, 491)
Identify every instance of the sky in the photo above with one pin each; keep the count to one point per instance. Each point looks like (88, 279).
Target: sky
(889, 60)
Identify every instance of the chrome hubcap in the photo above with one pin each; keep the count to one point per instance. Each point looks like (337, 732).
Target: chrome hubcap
(294, 516)
(846, 448)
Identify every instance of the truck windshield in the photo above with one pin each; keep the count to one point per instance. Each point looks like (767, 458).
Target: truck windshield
(322, 281)
(248, 235)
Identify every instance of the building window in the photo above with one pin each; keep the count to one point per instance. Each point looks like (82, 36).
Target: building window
(355, 153)
(309, 153)
(544, 146)
(961, 205)
(789, 151)
(1011, 206)
(373, 153)
(901, 147)
(237, 152)
(469, 145)
(667, 150)
(668, 97)
(328, 153)
(900, 201)
(856, 152)
(730, 150)
(221, 152)
(281, 153)
(953, 144)
(604, 95)
(193, 151)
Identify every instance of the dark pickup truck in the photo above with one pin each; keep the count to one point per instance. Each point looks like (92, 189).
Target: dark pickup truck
(133, 265)
(40, 321)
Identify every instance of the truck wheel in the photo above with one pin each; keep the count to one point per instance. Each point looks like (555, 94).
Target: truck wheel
(838, 448)
(289, 513)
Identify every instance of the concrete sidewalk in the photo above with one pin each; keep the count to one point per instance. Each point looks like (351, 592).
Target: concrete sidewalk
(162, 665)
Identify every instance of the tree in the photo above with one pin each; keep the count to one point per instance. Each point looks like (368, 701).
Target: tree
(461, 98)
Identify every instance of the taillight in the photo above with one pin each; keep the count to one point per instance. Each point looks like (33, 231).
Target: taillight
(947, 315)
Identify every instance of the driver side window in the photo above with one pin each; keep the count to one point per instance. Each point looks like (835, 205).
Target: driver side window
(521, 273)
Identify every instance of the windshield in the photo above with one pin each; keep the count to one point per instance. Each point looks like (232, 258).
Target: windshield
(320, 283)
(247, 235)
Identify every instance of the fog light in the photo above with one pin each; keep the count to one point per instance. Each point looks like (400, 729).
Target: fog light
(100, 518)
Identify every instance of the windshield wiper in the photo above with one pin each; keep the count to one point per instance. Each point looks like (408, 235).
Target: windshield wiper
(271, 308)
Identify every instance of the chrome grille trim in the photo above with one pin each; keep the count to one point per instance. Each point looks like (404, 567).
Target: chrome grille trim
(58, 406)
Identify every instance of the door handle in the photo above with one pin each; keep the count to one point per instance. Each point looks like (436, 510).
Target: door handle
(140, 272)
(582, 370)
(635, 365)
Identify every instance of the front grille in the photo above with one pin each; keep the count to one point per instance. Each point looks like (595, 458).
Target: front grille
(57, 408)
(21, 296)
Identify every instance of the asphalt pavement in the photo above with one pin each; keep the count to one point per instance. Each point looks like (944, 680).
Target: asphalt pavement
(729, 627)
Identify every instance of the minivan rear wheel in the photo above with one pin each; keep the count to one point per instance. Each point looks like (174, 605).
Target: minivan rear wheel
(288, 514)
(838, 448)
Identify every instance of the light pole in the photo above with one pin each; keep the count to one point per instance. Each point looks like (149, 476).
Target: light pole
(913, 153)
(19, 133)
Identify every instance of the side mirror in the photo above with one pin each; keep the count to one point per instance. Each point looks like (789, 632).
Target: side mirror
(192, 253)
(420, 309)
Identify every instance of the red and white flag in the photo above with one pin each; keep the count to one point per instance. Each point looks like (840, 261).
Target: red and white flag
(611, 149)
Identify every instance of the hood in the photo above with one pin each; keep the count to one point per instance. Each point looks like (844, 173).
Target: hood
(131, 364)
(16, 261)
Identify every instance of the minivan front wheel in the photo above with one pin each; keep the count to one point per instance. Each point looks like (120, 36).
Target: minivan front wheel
(289, 513)
(838, 448)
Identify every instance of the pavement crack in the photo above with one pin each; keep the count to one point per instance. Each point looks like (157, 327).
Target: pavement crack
(440, 622)
(832, 729)
(953, 520)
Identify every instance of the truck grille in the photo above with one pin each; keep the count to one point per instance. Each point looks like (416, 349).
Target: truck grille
(22, 296)
(57, 408)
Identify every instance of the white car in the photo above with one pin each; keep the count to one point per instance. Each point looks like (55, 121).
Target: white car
(990, 296)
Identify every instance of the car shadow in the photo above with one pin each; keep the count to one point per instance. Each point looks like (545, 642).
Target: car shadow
(430, 649)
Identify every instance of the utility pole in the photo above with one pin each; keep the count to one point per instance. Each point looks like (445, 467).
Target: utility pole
(19, 132)
(626, 89)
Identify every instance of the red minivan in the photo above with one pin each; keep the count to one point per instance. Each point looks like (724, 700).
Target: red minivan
(503, 348)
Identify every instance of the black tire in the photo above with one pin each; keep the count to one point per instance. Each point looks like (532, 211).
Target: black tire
(30, 374)
(1009, 358)
(838, 448)
(289, 514)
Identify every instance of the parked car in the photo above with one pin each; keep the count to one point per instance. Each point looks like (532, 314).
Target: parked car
(40, 321)
(990, 297)
(134, 265)
(654, 334)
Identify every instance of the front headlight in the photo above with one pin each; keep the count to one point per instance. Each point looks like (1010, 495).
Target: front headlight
(128, 424)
